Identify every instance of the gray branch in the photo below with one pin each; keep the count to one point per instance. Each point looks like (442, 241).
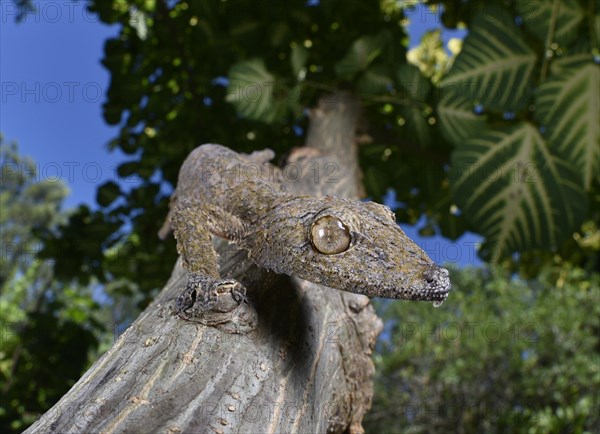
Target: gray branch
(305, 367)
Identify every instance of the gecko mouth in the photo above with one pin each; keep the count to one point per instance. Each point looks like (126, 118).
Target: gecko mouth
(433, 284)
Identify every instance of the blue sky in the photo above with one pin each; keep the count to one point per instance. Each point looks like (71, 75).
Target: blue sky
(52, 89)
(53, 86)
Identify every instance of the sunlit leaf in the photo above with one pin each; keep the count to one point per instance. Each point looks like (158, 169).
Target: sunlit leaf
(255, 93)
(360, 55)
(137, 20)
(515, 191)
(429, 55)
(569, 107)
(495, 64)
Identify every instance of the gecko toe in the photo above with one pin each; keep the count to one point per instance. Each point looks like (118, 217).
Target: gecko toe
(230, 294)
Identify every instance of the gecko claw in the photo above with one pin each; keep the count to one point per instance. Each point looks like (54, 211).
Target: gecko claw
(229, 294)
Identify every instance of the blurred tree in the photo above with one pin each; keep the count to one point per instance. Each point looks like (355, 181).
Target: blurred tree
(27, 203)
(508, 356)
(47, 329)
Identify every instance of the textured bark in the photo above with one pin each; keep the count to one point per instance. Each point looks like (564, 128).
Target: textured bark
(306, 367)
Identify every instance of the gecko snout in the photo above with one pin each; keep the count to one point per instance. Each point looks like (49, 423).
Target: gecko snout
(437, 283)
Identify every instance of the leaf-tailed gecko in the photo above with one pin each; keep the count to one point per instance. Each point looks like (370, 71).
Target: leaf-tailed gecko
(344, 244)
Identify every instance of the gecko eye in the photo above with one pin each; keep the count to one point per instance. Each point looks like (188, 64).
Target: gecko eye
(329, 235)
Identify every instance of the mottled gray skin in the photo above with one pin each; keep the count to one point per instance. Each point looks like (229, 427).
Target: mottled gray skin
(243, 199)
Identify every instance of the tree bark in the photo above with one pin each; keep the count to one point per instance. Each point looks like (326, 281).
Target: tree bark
(305, 367)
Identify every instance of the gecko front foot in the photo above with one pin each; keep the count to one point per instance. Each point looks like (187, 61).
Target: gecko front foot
(203, 294)
(219, 303)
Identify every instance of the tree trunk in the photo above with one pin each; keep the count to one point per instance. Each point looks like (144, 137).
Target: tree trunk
(305, 367)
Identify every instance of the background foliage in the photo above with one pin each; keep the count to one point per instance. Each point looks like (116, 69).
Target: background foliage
(48, 328)
(508, 356)
(498, 135)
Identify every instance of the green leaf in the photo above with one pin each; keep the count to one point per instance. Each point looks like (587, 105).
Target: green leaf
(414, 89)
(581, 56)
(411, 83)
(376, 80)
(430, 55)
(255, 93)
(537, 15)
(515, 192)
(298, 59)
(137, 20)
(128, 168)
(279, 33)
(452, 226)
(595, 24)
(457, 118)
(360, 55)
(494, 65)
(569, 107)
(107, 193)
(414, 124)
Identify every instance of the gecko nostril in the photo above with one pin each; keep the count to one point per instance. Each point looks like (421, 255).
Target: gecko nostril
(437, 278)
(430, 276)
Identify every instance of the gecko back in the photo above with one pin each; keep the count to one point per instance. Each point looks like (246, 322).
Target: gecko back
(243, 185)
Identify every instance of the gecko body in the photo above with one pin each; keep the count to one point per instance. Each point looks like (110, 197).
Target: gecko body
(344, 244)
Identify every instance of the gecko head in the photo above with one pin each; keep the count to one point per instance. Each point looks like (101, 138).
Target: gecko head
(348, 245)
